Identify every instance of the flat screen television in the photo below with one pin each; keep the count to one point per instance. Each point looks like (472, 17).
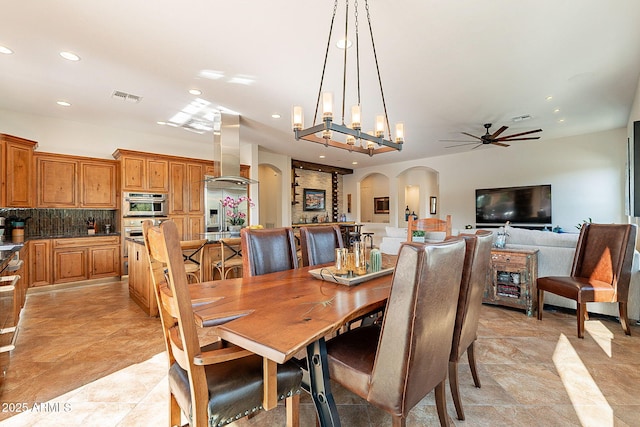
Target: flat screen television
(518, 205)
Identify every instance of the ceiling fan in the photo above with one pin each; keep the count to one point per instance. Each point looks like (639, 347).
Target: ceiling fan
(495, 137)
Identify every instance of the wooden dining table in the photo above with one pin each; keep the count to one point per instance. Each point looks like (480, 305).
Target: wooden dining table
(280, 315)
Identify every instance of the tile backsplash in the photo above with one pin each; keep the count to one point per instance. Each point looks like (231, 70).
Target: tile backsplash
(60, 222)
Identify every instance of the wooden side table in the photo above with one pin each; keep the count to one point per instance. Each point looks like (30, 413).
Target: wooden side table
(512, 280)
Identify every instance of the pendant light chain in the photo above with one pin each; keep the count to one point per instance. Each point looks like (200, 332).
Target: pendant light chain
(375, 56)
(344, 65)
(324, 66)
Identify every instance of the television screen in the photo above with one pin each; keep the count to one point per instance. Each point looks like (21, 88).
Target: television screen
(518, 205)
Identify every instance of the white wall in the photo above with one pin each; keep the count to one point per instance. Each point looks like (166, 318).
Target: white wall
(586, 172)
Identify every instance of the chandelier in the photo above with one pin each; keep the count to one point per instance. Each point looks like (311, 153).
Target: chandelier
(351, 137)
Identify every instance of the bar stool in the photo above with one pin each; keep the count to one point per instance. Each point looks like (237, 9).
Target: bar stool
(193, 255)
(368, 237)
(230, 257)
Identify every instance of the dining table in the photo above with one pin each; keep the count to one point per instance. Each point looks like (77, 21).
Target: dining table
(288, 315)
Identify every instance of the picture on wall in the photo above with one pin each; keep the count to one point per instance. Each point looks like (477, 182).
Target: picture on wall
(313, 200)
(381, 205)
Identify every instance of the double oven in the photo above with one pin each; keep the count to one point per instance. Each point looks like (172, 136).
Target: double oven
(139, 207)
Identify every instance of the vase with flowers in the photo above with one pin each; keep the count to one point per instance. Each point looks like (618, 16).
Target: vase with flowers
(236, 217)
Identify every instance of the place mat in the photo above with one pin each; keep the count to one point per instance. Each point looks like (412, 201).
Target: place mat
(327, 274)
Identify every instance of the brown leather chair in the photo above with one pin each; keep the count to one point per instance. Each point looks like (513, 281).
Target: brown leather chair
(267, 250)
(601, 271)
(318, 244)
(215, 384)
(394, 366)
(477, 263)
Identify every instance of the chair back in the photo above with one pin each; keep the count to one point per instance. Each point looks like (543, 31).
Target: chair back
(428, 224)
(193, 254)
(267, 250)
(318, 244)
(605, 253)
(475, 274)
(168, 276)
(415, 341)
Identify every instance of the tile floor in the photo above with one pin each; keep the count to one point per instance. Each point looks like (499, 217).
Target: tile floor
(90, 357)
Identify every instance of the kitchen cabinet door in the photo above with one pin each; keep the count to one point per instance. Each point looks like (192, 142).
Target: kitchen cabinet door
(18, 190)
(40, 263)
(56, 182)
(70, 265)
(104, 261)
(98, 184)
(195, 188)
(179, 192)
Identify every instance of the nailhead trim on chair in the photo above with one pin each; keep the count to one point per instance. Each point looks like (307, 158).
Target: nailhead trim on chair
(252, 410)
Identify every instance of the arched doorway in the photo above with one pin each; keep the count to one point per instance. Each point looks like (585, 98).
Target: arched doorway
(374, 199)
(416, 188)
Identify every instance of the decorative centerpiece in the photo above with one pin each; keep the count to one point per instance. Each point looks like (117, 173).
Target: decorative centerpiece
(235, 216)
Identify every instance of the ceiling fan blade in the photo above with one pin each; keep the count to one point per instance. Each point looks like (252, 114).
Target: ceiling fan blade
(500, 144)
(477, 146)
(456, 140)
(521, 133)
(472, 136)
(499, 131)
(460, 145)
(518, 139)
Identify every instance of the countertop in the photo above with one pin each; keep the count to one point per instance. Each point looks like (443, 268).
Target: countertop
(213, 237)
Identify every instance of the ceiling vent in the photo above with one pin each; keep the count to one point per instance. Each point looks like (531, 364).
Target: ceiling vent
(521, 118)
(124, 96)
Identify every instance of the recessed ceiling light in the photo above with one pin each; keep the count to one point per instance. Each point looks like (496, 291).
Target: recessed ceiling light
(63, 103)
(161, 123)
(560, 120)
(354, 163)
(211, 74)
(557, 110)
(275, 116)
(195, 92)
(322, 156)
(342, 43)
(5, 50)
(549, 98)
(70, 56)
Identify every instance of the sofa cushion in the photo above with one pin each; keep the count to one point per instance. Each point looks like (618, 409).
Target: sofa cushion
(395, 232)
(522, 236)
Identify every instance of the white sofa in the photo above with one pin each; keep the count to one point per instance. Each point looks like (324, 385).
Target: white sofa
(555, 256)
(395, 236)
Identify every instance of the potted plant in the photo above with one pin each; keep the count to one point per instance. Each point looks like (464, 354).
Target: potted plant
(418, 236)
(235, 217)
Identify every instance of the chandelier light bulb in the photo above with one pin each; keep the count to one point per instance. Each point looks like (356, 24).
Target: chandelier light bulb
(351, 140)
(379, 126)
(356, 120)
(399, 132)
(327, 105)
(297, 118)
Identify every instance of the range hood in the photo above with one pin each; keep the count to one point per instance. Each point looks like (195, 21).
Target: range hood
(226, 151)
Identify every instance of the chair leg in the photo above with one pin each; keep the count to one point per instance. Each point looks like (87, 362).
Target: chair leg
(398, 421)
(455, 389)
(581, 311)
(292, 404)
(174, 411)
(540, 303)
(472, 365)
(624, 319)
(441, 404)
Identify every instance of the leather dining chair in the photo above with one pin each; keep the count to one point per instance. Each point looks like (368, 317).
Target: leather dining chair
(475, 274)
(395, 365)
(267, 250)
(218, 383)
(601, 271)
(318, 244)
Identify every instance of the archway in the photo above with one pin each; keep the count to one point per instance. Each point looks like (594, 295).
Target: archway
(374, 199)
(417, 187)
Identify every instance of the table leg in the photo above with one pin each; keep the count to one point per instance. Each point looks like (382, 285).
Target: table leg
(319, 384)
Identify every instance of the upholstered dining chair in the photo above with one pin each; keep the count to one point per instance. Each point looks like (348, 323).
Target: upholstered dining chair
(601, 271)
(428, 224)
(477, 263)
(395, 365)
(192, 253)
(318, 244)
(216, 384)
(267, 250)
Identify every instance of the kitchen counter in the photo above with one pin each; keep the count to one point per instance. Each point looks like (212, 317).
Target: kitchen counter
(213, 237)
(8, 250)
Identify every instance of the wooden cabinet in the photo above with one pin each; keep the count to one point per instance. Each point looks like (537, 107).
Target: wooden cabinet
(140, 286)
(17, 172)
(40, 268)
(57, 181)
(75, 182)
(186, 197)
(142, 172)
(98, 184)
(85, 258)
(513, 279)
